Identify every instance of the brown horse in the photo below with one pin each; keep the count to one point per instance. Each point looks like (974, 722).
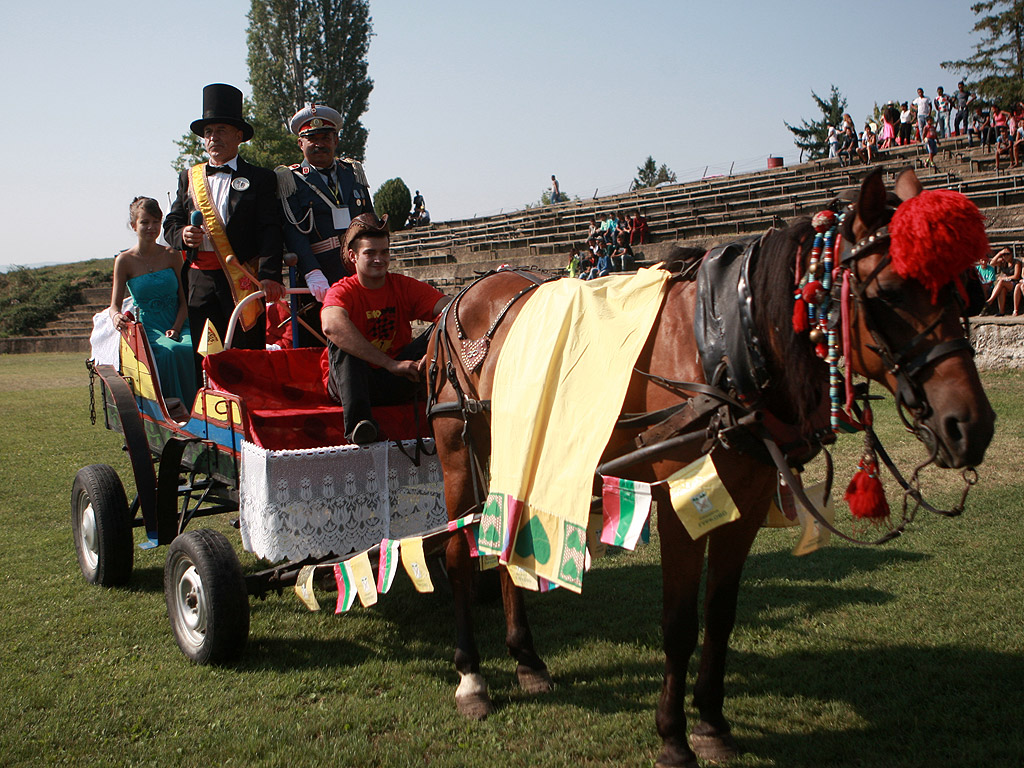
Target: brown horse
(900, 334)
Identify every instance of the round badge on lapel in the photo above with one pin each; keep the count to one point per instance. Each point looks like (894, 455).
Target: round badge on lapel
(240, 184)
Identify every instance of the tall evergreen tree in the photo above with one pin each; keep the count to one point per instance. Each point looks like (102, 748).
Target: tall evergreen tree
(997, 66)
(303, 51)
(650, 175)
(812, 137)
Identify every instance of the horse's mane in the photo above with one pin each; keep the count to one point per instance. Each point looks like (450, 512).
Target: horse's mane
(799, 377)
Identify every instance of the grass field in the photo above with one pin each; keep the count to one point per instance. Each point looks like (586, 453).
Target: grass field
(908, 655)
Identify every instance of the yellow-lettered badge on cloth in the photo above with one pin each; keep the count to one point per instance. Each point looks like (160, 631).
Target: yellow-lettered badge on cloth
(239, 281)
(415, 564)
(700, 499)
(304, 587)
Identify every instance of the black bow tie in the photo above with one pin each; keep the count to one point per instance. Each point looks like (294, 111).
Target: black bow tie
(219, 169)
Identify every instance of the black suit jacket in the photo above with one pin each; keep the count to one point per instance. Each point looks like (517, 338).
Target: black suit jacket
(253, 222)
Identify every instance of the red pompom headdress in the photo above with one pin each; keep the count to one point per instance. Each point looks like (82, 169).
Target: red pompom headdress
(935, 236)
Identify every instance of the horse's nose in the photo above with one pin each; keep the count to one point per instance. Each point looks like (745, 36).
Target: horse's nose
(965, 438)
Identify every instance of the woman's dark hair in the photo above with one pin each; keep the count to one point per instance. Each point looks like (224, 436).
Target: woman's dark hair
(140, 204)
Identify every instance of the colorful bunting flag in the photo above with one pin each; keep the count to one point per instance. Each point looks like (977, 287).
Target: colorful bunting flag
(346, 587)
(415, 564)
(210, 342)
(304, 587)
(700, 499)
(626, 505)
(362, 577)
(387, 567)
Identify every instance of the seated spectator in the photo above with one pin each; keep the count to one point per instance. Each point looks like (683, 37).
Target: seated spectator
(1018, 141)
(847, 146)
(1008, 271)
(593, 228)
(868, 150)
(622, 256)
(609, 228)
(987, 276)
(1004, 146)
(625, 227)
(639, 231)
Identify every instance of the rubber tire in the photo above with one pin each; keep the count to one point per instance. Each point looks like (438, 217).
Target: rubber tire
(202, 567)
(107, 554)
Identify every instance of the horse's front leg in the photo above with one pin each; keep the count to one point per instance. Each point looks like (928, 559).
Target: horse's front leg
(727, 551)
(681, 563)
(531, 672)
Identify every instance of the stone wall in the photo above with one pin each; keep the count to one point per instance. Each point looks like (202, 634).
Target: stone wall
(999, 342)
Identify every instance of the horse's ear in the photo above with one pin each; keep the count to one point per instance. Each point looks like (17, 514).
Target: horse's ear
(908, 185)
(871, 203)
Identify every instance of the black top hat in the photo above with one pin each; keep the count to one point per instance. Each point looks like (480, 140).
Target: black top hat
(222, 104)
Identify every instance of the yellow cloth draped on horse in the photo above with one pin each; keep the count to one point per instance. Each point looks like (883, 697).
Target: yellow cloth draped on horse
(560, 382)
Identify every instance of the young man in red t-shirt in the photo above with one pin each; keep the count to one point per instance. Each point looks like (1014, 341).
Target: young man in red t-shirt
(371, 357)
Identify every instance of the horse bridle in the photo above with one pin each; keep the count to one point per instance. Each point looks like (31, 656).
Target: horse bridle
(904, 364)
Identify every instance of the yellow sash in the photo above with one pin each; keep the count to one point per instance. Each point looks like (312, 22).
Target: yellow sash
(238, 279)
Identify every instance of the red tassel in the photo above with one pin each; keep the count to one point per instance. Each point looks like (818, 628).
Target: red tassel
(865, 494)
(821, 350)
(813, 292)
(800, 323)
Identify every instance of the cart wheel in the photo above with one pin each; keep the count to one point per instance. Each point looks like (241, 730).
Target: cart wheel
(101, 526)
(207, 601)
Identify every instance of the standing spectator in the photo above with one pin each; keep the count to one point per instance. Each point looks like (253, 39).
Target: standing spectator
(906, 124)
(242, 221)
(930, 137)
(575, 261)
(924, 110)
(942, 109)
(556, 195)
(890, 118)
(639, 231)
(833, 141)
(962, 100)
(418, 204)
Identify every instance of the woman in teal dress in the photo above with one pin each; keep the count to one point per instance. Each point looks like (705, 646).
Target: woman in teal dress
(151, 273)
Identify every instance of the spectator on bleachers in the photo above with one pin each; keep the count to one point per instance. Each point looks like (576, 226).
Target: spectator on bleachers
(924, 111)
(609, 227)
(847, 146)
(1018, 142)
(593, 228)
(575, 261)
(556, 194)
(1008, 270)
(890, 119)
(1004, 146)
(624, 227)
(868, 149)
(833, 142)
(1018, 296)
(639, 231)
(906, 124)
(942, 109)
(987, 276)
(622, 259)
(930, 137)
(962, 100)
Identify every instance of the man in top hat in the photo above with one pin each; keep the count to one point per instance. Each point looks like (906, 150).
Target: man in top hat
(320, 197)
(371, 356)
(237, 250)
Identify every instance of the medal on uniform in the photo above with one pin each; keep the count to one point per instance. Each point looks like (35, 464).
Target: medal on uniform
(240, 184)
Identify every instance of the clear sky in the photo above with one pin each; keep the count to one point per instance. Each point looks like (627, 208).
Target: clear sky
(475, 104)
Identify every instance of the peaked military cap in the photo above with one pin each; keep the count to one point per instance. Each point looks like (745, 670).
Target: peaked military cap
(313, 118)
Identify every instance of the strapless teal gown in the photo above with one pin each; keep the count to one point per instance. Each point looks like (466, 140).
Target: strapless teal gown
(156, 307)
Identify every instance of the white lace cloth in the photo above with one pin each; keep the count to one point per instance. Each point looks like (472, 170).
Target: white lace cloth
(321, 501)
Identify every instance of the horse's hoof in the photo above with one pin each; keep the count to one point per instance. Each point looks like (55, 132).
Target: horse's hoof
(534, 680)
(475, 706)
(672, 759)
(471, 697)
(712, 744)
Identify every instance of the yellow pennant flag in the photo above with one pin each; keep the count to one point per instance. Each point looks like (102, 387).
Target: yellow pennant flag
(782, 510)
(814, 535)
(366, 585)
(487, 562)
(415, 564)
(304, 587)
(522, 578)
(210, 343)
(700, 499)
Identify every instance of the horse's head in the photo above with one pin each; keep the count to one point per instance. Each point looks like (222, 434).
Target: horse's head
(906, 254)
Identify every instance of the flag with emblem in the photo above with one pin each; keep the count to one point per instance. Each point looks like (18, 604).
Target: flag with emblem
(387, 566)
(362, 577)
(415, 564)
(346, 587)
(304, 587)
(210, 342)
(626, 506)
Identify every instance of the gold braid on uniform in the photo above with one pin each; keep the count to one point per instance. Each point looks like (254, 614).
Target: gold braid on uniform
(286, 187)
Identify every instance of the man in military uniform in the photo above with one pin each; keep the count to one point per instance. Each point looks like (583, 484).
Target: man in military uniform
(320, 197)
(240, 237)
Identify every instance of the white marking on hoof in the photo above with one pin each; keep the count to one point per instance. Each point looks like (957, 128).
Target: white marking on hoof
(471, 696)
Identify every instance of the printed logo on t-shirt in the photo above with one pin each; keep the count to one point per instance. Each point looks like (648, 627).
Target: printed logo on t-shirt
(380, 326)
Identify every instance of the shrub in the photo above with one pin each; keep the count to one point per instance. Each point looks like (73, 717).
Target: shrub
(393, 199)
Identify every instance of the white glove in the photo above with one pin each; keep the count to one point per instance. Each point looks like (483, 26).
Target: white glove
(317, 284)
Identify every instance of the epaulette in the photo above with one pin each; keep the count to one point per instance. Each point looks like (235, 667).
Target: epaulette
(285, 181)
(357, 169)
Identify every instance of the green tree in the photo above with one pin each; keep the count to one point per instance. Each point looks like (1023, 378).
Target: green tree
(393, 198)
(301, 51)
(812, 137)
(997, 66)
(650, 175)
